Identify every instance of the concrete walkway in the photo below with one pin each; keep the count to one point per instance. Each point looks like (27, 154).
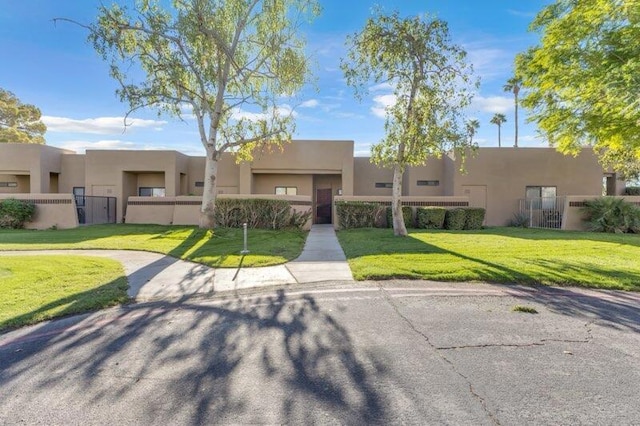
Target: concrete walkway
(154, 276)
(322, 258)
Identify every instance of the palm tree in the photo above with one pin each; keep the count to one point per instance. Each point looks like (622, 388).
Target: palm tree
(498, 120)
(472, 127)
(513, 85)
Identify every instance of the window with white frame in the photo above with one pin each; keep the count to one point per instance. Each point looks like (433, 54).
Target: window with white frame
(286, 190)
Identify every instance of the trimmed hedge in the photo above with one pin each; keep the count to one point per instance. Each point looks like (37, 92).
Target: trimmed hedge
(257, 213)
(15, 213)
(357, 214)
(430, 217)
(474, 217)
(407, 214)
(632, 190)
(455, 219)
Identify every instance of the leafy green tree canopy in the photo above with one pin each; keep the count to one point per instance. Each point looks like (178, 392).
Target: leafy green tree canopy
(432, 87)
(229, 62)
(19, 122)
(583, 79)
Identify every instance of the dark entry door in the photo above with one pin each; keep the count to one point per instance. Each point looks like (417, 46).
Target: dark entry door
(323, 205)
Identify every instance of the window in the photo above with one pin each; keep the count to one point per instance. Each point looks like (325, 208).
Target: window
(545, 197)
(384, 185)
(428, 183)
(199, 184)
(78, 192)
(150, 192)
(286, 190)
(8, 184)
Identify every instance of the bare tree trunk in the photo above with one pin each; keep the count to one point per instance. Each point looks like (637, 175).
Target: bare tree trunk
(210, 191)
(516, 117)
(396, 203)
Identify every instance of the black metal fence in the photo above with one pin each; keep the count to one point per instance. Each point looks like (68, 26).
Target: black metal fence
(95, 210)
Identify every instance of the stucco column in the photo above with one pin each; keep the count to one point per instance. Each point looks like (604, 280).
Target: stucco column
(347, 176)
(246, 178)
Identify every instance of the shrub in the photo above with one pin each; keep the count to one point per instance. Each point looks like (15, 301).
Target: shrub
(407, 214)
(455, 219)
(474, 217)
(608, 214)
(355, 214)
(14, 213)
(257, 213)
(519, 220)
(632, 190)
(430, 217)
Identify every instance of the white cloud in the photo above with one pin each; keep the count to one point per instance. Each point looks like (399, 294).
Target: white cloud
(489, 62)
(282, 111)
(493, 104)
(381, 103)
(100, 125)
(81, 146)
(311, 103)
(382, 87)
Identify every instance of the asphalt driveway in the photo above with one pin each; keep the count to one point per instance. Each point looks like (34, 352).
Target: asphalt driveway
(401, 352)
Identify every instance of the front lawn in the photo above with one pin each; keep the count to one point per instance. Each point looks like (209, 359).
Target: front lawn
(37, 288)
(220, 248)
(501, 255)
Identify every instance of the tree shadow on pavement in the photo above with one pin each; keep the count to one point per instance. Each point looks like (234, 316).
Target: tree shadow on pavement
(264, 360)
(613, 309)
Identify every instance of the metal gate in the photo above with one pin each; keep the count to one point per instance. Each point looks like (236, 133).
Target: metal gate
(544, 212)
(95, 210)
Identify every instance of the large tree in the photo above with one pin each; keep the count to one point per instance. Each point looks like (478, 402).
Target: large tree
(19, 122)
(583, 78)
(229, 62)
(432, 86)
(499, 119)
(513, 86)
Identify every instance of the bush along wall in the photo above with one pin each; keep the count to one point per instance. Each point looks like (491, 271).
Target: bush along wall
(15, 213)
(474, 217)
(258, 213)
(632, 190)
(407, 214)
(609, 214)
(430, 217)
(354, 214)
(455, 219)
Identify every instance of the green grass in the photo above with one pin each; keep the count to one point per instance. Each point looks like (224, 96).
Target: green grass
(37, 288)
(524, 309)
(501, 255)
(218, 249)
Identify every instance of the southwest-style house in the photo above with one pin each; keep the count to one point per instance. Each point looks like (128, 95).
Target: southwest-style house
(164, 186)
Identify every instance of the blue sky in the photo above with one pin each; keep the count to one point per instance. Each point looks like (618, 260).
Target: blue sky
(53, 67)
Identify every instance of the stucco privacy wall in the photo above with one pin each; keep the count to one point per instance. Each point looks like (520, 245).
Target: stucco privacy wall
(185, 210)
(52, 210)
(572, 215)
(504, 173)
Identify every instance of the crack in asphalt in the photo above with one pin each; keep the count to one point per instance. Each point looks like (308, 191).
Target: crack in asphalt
(473, 392)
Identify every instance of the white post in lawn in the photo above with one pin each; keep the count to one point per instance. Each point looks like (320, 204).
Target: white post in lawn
(245, 250)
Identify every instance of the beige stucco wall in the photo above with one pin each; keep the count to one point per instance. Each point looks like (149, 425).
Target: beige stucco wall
(120, 173)
(266, 183)
(506, 172)
(433, 170)
(367, 174)
(38, 162)
(57, 210)
(185, 210)
(72, 172)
